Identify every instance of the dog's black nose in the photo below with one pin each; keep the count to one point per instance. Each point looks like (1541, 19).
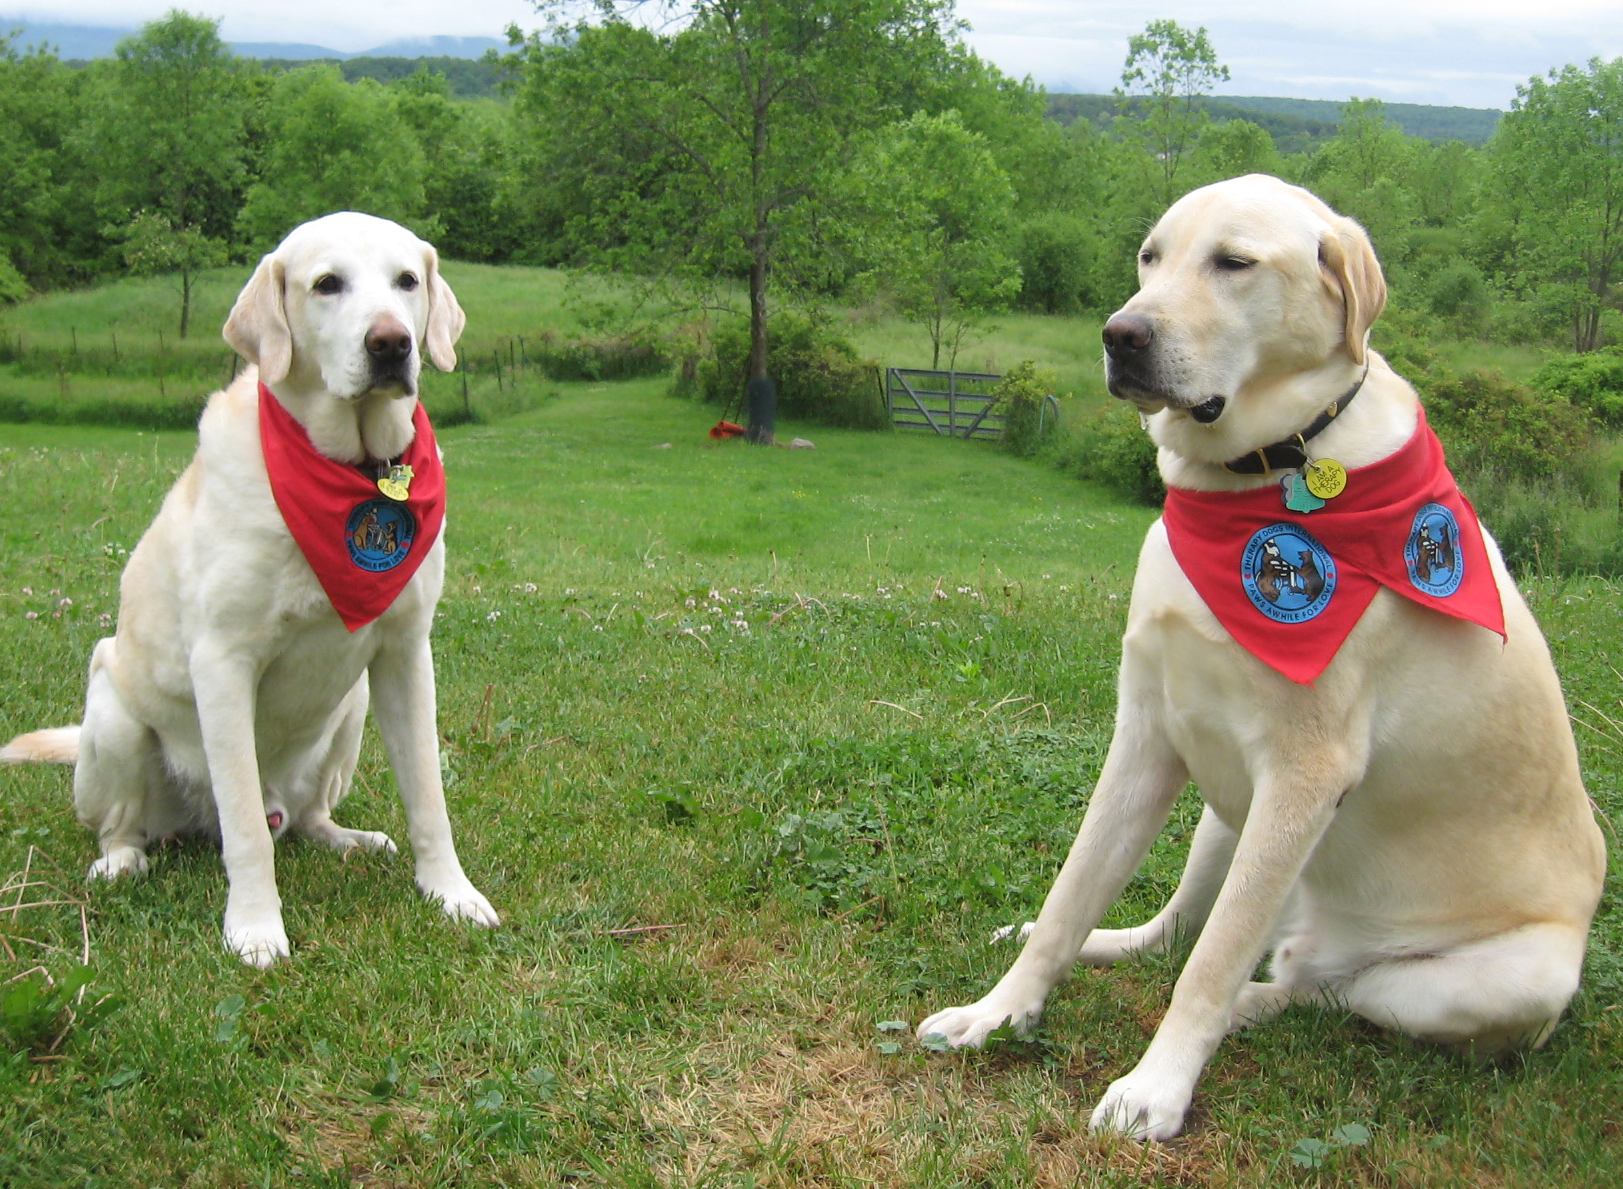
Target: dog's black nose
(1126, 335)
(388, 342)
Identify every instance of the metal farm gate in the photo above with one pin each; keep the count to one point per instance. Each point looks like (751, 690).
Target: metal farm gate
(955, 404)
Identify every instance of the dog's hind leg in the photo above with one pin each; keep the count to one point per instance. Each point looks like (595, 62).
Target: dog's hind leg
(117, 773)
(1484, 998)
(1181, 920)
(333, 778)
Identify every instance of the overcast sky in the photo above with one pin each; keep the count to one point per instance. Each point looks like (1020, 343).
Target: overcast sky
(1470, 53)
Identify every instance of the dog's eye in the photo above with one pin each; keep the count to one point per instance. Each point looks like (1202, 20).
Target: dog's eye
(328, 283)
(407, 281)
(1146, 257)
(1232, 263)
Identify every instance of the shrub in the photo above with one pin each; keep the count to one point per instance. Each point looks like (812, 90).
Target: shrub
(13, 288)
(1549, 526)
(1020, 397)
(1404, 337)
(1593, 382)
(818, 375)
(1112, 447)
(1054, 251)
(1490, 422)
(620, 357)
(1460, 293)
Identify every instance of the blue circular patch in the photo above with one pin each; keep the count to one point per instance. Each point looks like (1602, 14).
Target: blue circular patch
(1287, 574)
(1432, 553)
(379, 534)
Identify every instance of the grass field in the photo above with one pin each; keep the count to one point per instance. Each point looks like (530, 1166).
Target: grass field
(752, 749)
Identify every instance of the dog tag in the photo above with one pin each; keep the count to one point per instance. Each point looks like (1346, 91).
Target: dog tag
(1326, 478)
(397, 483)
(1297, 496)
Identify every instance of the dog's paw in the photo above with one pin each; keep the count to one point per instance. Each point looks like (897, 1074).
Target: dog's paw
(121, 860)
(1008, 931)
(463, 902)
(260, 945)
(969, 1026)
(1141, 1108)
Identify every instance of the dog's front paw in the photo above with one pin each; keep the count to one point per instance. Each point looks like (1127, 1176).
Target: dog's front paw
(120, 860)
(259, 944)
(462, 902)
(1141, 1108)
(968, 1027)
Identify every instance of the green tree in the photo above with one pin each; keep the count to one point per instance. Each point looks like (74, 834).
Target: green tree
(1235, 148)
(1557, 177)
(1368, 146)
(152, 244)
(934, 227)
(465, 146)
(710, 146)
(48, 224)
(173, 139)
(1168, 70)
(330, 146)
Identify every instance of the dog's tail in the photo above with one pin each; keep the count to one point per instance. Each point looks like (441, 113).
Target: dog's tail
(58, 745)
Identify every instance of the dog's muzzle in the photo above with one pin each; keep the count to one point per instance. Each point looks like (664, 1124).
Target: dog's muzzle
(389, 347)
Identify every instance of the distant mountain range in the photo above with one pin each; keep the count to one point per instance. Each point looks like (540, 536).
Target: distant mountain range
(79, 42)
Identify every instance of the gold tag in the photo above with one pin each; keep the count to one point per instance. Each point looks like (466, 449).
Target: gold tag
(397, 483)
(1326, 478)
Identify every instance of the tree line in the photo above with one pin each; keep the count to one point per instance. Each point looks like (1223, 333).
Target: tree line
(795, 150)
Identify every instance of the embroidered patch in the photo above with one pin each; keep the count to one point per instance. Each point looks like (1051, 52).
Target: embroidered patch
(1433, 552)
(1287, 574)
(379, 534)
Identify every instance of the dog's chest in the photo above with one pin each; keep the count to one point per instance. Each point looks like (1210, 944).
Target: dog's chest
(312, 669)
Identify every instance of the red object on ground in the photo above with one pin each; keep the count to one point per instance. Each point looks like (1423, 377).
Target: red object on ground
(726, 429)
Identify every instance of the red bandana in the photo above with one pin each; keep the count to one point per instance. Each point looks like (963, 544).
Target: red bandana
(1289, 587)
(363, 545)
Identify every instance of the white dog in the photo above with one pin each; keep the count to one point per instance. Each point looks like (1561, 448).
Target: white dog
(232, 698)
(1392, 795)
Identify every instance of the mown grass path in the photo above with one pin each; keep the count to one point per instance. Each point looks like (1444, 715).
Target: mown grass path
(752, 749)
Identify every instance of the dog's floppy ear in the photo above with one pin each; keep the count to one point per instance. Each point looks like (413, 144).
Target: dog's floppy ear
(257, 328)
(1345, 251)
(445, 317)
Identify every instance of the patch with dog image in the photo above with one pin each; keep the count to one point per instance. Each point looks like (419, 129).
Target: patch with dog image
(1287, 575)
(379, 534)
(1432, 553)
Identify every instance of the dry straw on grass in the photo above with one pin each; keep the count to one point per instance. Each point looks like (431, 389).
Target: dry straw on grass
(37, 927)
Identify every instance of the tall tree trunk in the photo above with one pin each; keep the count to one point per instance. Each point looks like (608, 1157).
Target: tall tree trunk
(185, 301)
(758, 329)
(762, 395)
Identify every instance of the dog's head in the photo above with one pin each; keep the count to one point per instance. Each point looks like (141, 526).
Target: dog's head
(1254, 307)
(347, 304)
